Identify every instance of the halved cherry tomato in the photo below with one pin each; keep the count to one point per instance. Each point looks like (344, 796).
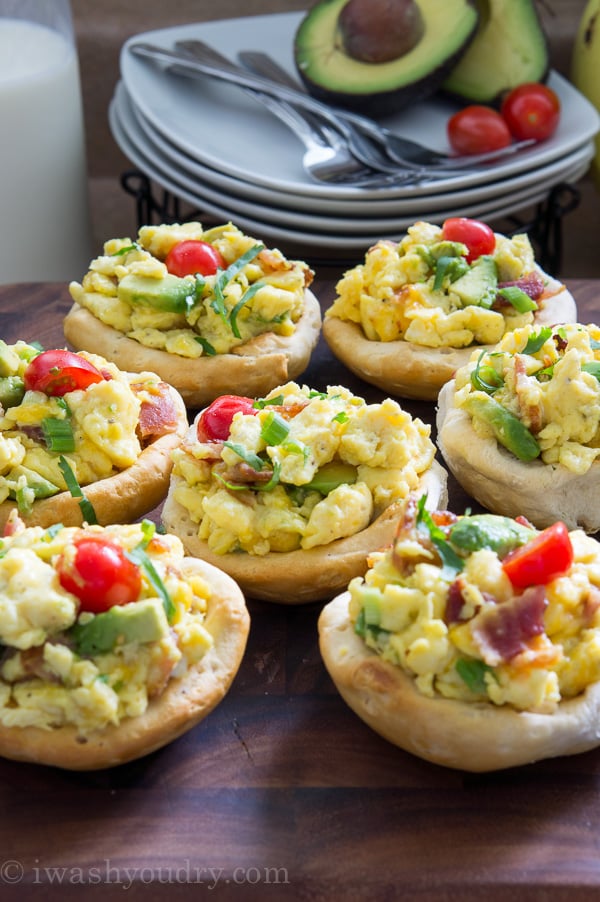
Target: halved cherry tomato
(193, 256)
(58, 372)
(477, 129)
(546, 556)
(478, 237)
(214, 423)
(531, 110)
(100, 575)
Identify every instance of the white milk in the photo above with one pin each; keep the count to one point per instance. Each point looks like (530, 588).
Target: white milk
(44, 213)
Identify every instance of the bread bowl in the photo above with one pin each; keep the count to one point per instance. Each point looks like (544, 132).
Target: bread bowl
(553, 393)
(251, 320)
(290, 493)
(82, 439)
(393, 326)
(83, 689)
(419, 656)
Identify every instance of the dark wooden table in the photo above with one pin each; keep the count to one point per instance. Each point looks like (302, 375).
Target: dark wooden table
(282, 792)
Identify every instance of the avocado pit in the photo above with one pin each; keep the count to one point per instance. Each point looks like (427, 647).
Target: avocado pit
(377, 31)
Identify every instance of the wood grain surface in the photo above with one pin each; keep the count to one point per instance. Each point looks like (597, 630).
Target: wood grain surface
(282, 792)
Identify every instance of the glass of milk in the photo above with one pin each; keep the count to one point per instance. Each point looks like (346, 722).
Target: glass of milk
(45, 232)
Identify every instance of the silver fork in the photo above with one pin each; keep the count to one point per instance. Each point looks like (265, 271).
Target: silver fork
(400, 149)
(361, 148)
(342, 120)
(326, 157)
(186, 65)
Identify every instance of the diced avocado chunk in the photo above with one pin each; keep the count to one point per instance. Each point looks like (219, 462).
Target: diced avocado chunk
(41, 487)
(331, 475)
(479, 285)
(9, 360)
(140, 621)
(507, 428)
(170, 293)
(499, 534)
(12, 390)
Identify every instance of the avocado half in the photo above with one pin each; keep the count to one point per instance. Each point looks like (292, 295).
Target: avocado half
(509, 49)
(330, 74)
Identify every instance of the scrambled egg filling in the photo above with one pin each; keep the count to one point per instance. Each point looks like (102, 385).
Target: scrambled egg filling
(48, 676)
(305, 469)
(130, 289)
(549, 380)
(400, 292)
(101, 420)
(430, 622)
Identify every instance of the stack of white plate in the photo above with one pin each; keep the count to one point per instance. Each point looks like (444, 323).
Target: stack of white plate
(215, 147)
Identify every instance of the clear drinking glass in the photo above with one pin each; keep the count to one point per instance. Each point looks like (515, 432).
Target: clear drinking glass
(45, 232)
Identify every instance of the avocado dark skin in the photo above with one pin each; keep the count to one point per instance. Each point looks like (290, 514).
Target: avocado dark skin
(492, 66)
(425, 47)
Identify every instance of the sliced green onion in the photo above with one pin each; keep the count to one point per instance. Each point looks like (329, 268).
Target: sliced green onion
(125, 250)
(273, 481)
(139, 557)
(87, 510)
(341, 417)
(452, 563)
(485, 378)
(451, 267)
(472, 672)
(249, 457)
(594, 344)
(58, 434)
(205, 345)
(261, 403)
(593, 368)
(227, 275)
(519, 299)
(537, 339)
(248, 294)
(274, 429)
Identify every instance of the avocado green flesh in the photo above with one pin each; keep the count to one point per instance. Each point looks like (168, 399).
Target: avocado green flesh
(329, 72)
(478, 286)
(509, 49)
(169, 293)
(141, 621)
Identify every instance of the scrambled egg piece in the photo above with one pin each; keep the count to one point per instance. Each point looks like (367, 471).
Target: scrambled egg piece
(549, 379)
(102, 419)
(50, 675)
(304, 469)
(258, 291)
(463, 631)
(395, 295)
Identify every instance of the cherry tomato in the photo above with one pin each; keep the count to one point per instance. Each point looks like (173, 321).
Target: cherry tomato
(477, 129)
(100, 575)
(58, 372)
(531, 110)
(546, 556)
(477, 236)
(214, 423)
(190, 257)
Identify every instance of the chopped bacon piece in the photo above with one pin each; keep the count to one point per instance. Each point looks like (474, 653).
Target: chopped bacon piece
(243, 473)
(158, 416)
(504, 631)
(14, 524)
(454, 602)
(532, 284)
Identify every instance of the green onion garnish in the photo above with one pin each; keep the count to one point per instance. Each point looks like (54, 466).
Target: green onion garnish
(472, 672)
(249, 457)
(206, 346)
(518, 298)
(87, 510)
(58, 434)
(593, 368)
(485, 378)
(139, 557)
(274, 429)
(452, 563)
(537, 339)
